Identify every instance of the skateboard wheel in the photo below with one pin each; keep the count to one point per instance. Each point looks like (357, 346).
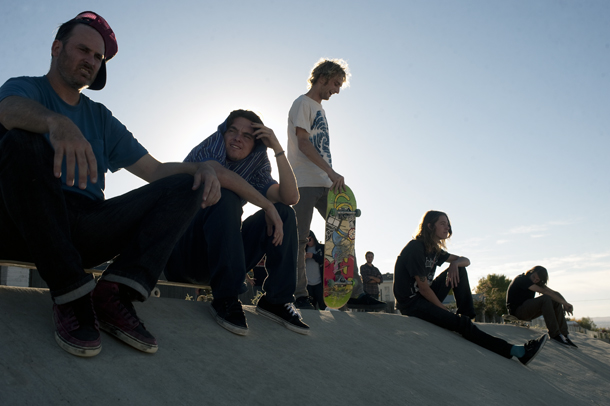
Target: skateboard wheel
(201, 298)
(155, 292)
(331, 283)
(358, 212)
(332, 212)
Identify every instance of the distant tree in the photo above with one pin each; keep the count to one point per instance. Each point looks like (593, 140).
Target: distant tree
(587, 323)
(493, 287)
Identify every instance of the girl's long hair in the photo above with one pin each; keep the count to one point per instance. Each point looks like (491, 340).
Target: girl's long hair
(425, 231)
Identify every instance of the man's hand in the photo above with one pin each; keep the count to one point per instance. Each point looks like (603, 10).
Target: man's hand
(453, 275)
(268, 137)
(67, 140)
(309, 255)
(568, 308)
(211, 185)
(337, 180)
(275, 226)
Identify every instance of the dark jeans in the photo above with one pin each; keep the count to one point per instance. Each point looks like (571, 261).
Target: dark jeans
(545, 306)
(218, 249)
(421, 308)
(316, 295)
(63, 232)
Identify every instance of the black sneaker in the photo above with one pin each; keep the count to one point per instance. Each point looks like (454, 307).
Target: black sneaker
(76, 327)
(303, 303)
(114, 308)
(560, 339)
(365, 302)
(285, 314)
(570, 343)
(230, 315)
(532, 348)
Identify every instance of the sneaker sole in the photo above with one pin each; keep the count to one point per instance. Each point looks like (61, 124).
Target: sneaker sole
(84, 352)
(281, 321)
(233, 328)
(127, 339)
(544, 340)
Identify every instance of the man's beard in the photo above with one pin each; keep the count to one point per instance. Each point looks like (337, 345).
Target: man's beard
(72, 79)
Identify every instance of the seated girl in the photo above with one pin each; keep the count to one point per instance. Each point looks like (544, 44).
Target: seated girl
(419, 295)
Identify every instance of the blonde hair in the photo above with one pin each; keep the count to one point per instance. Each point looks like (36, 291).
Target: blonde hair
(328, 68)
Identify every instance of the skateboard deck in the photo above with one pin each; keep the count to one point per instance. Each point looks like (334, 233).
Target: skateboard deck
(341, 213)
(98, 272)
(510, 319)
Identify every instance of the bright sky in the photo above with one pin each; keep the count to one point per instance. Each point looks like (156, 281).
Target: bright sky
(495, 112)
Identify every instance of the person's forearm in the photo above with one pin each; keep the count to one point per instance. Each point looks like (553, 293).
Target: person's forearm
(556, 296)
(27, 114)
(288, 191)
(232, 181)
(430, 296)
(172, 168)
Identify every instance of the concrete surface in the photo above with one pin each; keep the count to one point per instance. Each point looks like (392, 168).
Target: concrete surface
(348, 359)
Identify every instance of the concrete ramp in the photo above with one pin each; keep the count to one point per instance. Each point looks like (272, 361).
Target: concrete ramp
(348, 359)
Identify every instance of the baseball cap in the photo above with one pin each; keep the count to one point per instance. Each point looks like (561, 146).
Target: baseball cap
(96, 21)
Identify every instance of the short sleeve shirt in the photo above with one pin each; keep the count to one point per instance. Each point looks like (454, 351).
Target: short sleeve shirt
(414, 261)
(113, 145)
(309, 115)
(518, 292)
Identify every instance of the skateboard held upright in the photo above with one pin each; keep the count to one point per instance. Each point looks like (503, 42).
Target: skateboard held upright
(341, 213)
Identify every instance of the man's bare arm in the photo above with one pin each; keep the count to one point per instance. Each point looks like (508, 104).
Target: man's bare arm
(307, 148)
(66, 138)
(556, 296)
(286, 191)
(232, 181)
(427, 293)
(149, 169)
(453, 274)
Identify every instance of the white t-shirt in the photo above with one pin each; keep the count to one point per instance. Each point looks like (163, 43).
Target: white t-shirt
(309, 115)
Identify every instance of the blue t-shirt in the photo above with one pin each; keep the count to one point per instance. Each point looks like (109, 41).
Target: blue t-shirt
(113, 145)
(255, 168)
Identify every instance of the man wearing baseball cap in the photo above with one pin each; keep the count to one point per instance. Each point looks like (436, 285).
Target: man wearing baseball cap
(56, 144)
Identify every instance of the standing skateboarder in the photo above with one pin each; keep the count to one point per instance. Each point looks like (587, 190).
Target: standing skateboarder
(309, 154)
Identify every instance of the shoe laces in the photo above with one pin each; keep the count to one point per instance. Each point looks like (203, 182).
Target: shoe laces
(127, 312)
(292, 310)
(78, 313)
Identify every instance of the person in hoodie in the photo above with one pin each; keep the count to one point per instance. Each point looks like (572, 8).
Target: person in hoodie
(218, 248)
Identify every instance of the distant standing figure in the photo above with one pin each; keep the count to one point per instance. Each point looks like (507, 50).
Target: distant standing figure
(550, 304)
(419, 295)
(371, 277)
(314, 266)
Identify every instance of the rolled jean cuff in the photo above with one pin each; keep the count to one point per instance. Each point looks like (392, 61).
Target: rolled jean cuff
(144, 293)
(75, 294)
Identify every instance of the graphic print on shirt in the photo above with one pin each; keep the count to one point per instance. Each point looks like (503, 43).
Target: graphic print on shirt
(430, 266)
(319, 137)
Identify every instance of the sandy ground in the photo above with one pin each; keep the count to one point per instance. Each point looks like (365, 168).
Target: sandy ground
(348, 359)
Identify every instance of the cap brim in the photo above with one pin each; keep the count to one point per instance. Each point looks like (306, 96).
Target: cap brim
(100, 79)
